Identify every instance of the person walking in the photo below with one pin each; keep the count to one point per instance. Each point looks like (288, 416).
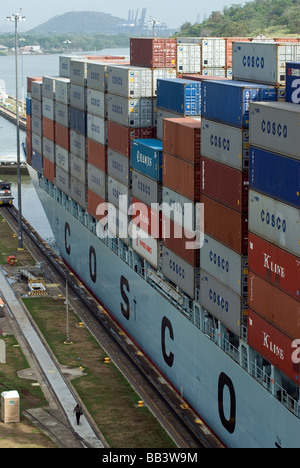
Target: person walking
(79, 412)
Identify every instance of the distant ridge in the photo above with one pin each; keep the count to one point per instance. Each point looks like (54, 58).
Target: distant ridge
(80, 22)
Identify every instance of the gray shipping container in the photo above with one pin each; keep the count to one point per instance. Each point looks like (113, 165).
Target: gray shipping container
(181, 273)
(114, 190)
(96, 103)
(263, 62)
(36, 108)
(161, 114)
(97, 181)
(78, 192)
(171, 198)
(49, 149)
(78, 97)
(146, 190)
(275, 127)
(78, 168)
(37, 143)
(225, 144)
(129, 81)
(36, 90)
(135, 113)
(62, 114)
(161, 73)
(275, 221)
(96, 129)
(78, 71)
(62, 158)
(118, 167)
(62, 180)
(221, 302)
(96, 76)
(37, 126)
(62, 90)
(228, 267)
(78, 144)
(48, 108)
(48, 87)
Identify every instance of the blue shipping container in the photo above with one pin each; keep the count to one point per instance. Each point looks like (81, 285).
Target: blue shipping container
(293, 82)
(78, 121)
(146, 157)
(180, 96)
(28, 106)
(37, 161)
(228, 101)
(274, 175)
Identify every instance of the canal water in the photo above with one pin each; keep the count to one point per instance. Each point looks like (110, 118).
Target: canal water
(30, 65)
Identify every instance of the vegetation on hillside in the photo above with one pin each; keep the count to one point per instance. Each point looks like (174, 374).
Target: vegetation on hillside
(267, 17)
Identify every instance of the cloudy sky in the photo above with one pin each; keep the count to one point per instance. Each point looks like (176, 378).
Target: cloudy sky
(173, 12)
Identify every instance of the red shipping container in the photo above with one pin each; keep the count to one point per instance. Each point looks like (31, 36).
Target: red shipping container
(49, 170)
(62, 136)
(225, 184)
(182, 138)
(275, 265)
(119, 138)
(148, 219)
(225, 225)
(28, 123)
(153, 52)
(93, 202)
(181, 176)
(179, 243)
(228, 48)
(49, 129)
(286, 39)
(97, 155)
(274, 305)
(30, 79)
(274, 346)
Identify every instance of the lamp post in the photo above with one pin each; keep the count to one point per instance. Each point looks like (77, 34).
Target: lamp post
(67, 42)
(18, 17)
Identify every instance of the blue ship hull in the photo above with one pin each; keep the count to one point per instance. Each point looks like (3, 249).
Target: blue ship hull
(240, 411)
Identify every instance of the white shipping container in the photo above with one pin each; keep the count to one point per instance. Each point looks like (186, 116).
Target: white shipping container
(36, 90)
(64, 66)
(275, 127)
(78, 168)
(164, 114)
(37, 143)
(135, 113)
(146, 190)
(214, 72)
(161, 73)
(118, 167)
(78, 192)
(78, 144)
(78, 71)
(49, 149)
(177, 202)
(62, 114)
(225, 144)
(275, 221)
(96, 103)
(36, 108)
(97, 76)
(114, 190)
(62, 180)
(129, 81)
(62, 158)
(62, 90)
(189, 58)
(145, 246)
(263, 62)
(228, 267)
(48, 87)
(37, 125)
(96, 129)
(181, 273)
(78, 97)
(213, 52)
(97, 181)
(48, 108)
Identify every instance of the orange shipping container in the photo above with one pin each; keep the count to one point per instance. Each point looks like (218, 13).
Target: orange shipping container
(97, 155)
(62, 136)
(229, 46)
(30, 79)
(49, 170)
(48, 129)
(28, 123)
(93, 202)
(181, 138)
(181, 176)
(181, 242)
(119, 137)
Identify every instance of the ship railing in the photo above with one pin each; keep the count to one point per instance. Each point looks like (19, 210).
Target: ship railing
(261, 376)
(287, 400)
(231, 350)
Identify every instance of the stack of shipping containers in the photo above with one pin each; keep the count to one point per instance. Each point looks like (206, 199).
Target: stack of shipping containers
(224, 193)
(37, 125)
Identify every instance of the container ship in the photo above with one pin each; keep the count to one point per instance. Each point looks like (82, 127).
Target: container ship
(171, 181)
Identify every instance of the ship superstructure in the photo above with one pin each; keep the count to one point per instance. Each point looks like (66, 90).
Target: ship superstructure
(176, 200)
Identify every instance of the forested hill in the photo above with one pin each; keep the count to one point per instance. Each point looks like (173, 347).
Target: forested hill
(268, 17)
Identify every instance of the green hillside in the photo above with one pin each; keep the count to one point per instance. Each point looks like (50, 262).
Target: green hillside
(275, 18)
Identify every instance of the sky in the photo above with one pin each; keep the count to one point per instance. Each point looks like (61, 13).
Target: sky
(172, 12)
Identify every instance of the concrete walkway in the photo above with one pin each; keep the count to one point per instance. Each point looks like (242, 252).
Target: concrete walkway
(50, 369)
